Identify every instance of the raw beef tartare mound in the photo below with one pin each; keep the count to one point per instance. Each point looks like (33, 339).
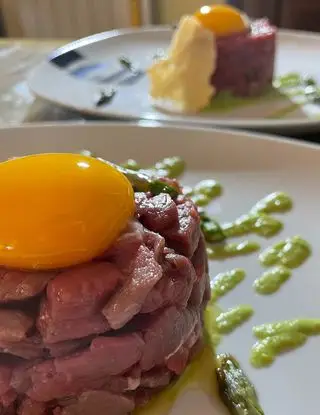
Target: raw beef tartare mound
(109, 333)
(245, 60)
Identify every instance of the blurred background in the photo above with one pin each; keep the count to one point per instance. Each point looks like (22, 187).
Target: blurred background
(77, 18)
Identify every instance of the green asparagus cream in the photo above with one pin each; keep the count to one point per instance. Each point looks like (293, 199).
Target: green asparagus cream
(281, 337)
(258, 220)
(231, 319)
(264, 352)
(225, 101)
(309, 327)
(261, 224)
(204, 192)
(225, 282)
(229, 250)
(272, 280)
(276, 202)
(290, 253)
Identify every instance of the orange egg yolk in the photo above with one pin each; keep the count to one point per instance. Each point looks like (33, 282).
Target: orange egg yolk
(222, 20)
(59, 210)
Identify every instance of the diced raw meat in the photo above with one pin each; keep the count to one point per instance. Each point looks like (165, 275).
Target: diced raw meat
(185, 237)
(28, 348)
(156, 378)
(157, 213)
(20, 285)
(101, 402)
(14, 325)
(92, 368)
(166, 334)
(45, 384)
(54, 331)
(124, 251)
(155, 243)
(122, 351)
(175, 287)
(178, 362)
(20, 380)
(245, 64)
(200, 259)
(61, 352)
(29, 407)
(5, 378)
(128, 301)
(82, 291)
(7, 399)
(67, 347)
(207, 292)
(123, 383)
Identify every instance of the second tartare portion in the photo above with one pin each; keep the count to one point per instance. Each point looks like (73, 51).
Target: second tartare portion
(218, 49)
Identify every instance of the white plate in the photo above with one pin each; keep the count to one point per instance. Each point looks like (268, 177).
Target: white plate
(249, 167)
(96, 57)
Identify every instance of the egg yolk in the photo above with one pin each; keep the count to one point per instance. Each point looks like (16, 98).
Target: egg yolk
(60, 210)
(222, 20)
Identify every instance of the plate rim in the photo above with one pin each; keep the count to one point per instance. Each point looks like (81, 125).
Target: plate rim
(252, 135)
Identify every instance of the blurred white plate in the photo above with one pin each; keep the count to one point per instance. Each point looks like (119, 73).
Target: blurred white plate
(249, 167)
(75, 73)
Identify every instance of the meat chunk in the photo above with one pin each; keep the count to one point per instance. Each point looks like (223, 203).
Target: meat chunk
(175, 287)
(200, 263)
(157, 213)
(29, 407)
(200, 259)
(14, 325)
(5, 378)
(124, 383)
(178, 362)
(156, 378)
(54, 331)
(92, 368)
(20, 285)
(124, 251)
(102, 402)
(155, 243)
(28, 348)
(67, 347)
(7, 399)
(106, 356)
(82, 291)
(184, 238)
(127, 302)
(166, 334)
(45, 383)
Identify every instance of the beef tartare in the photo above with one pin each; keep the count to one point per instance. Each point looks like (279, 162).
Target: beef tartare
(218, 49)
(245, 60)
(103, 336)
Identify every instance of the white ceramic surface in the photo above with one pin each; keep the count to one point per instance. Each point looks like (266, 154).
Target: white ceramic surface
(249, 167)
(297, 51)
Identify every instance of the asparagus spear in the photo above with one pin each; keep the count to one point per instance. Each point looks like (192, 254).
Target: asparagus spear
(236, 390)
(141, 182)
(171, 167)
